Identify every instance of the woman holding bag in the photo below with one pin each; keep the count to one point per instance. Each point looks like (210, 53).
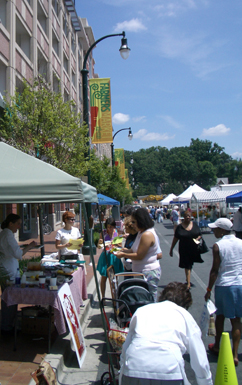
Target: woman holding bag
(189, 253)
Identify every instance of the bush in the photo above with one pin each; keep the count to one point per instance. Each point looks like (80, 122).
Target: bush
(96, 236)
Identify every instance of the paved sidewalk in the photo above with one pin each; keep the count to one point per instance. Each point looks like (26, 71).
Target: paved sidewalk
(16, 366)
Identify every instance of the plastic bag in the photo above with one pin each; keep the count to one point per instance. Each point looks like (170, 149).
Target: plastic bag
(116, 335)
(208, 309)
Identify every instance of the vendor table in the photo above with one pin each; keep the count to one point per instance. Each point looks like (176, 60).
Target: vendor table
(36, 296)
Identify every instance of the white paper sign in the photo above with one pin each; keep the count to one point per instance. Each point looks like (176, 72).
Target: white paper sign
(72, 320)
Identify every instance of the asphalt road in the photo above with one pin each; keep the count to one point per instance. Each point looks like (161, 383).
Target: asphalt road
(96, 361)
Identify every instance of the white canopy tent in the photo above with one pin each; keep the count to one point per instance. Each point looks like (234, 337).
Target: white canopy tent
(187, 194)
(209, 197)
(166, 201)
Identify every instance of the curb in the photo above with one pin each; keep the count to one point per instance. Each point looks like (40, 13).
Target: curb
(61, 346)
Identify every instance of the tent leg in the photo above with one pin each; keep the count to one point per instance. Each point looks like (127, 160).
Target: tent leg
(41, 233)
(98, 293)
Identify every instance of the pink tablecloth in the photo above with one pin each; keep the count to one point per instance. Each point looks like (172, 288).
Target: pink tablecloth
(36, 296)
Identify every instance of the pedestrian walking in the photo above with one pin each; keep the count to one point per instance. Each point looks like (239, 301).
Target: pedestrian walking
(237, 223)
(226, 275)
(185, 233)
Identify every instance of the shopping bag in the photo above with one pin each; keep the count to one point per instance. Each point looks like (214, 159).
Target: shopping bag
(208, 310)
(211, 326)
(44, 375)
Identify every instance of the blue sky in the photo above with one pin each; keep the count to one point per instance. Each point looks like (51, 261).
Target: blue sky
(182, 79)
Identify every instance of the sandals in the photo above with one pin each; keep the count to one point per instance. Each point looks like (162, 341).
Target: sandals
(236, 361)
(212, 350)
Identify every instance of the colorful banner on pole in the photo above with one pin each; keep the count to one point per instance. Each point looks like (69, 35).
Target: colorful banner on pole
(127, 177)
(119, 161)
(101, 116)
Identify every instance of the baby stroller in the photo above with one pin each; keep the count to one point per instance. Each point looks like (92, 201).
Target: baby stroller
(133, 292)
(127, 296)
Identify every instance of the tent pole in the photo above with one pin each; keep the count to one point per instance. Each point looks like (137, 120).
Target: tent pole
(41, 233)
(98, 292)
(197, 214)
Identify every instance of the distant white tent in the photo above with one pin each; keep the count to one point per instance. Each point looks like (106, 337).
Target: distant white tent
(166, 201)
(187, 194)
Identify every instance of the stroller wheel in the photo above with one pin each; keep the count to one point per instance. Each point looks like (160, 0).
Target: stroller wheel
(106, 379)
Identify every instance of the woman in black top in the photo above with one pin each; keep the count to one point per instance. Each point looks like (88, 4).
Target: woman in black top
(188, 250)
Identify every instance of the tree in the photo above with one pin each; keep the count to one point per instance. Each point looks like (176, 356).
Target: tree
(38, 122)
(107, 180)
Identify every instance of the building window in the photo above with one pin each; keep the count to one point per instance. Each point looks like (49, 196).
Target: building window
(3, 12)
(42, 65)
(55, 5)
(55, 43)
(3, 76)
(66, 96)
(73, 43)
(56, 83)
(42, 19)
(23, 38)
(65, 62)
(73, 77)
(65, 26)
(19, 85)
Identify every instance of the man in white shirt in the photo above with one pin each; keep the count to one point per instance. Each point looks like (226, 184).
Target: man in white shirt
(159, 335)
(237, 223)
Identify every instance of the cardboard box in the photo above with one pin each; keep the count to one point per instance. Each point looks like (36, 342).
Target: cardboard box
(35, 320)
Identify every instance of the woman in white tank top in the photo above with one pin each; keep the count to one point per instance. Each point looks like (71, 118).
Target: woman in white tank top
(145, 251)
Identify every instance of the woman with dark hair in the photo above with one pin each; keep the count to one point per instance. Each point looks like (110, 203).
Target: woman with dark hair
(10, 253)
(63, 236)
(159, 335)
(185, 233)
(111, 233)
(144, 250)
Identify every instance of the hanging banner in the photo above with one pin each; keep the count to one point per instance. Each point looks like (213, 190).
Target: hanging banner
(119, 158)
(101, 116)
(127, 177)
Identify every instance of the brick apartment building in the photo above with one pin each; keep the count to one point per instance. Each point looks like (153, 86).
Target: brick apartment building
(47, 38)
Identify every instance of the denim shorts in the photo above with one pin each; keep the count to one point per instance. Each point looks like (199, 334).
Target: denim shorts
(228, 301)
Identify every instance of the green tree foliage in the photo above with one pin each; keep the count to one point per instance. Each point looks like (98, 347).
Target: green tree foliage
(158, 168)
(107, 180)
(40, 123)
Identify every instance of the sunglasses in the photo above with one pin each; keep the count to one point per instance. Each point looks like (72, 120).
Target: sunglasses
(71, 219)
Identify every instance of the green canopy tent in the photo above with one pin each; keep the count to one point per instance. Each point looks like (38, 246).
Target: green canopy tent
(25, 179)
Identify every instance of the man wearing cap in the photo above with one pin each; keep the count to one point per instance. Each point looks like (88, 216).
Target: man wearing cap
(226, 274)
(237, 223)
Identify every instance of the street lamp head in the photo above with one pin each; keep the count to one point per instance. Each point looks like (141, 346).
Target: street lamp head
(124, 49)
(131, 160)
(130, 135)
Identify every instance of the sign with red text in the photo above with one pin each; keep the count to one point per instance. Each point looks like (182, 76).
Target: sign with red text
(69, 309)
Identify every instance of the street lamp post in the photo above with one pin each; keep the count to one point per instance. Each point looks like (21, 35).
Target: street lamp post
(124, 52)
(130, 136)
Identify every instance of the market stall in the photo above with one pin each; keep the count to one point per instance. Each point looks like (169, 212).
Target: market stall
(25, 179)
(209, 197)
(166, 201)
(186, 196)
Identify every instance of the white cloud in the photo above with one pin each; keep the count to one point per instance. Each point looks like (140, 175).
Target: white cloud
(219, 130)
(172, 122)
(144, 135)
(237, 155)
(133, 25)
(139, 118)
(197, 50)
(120, 118)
